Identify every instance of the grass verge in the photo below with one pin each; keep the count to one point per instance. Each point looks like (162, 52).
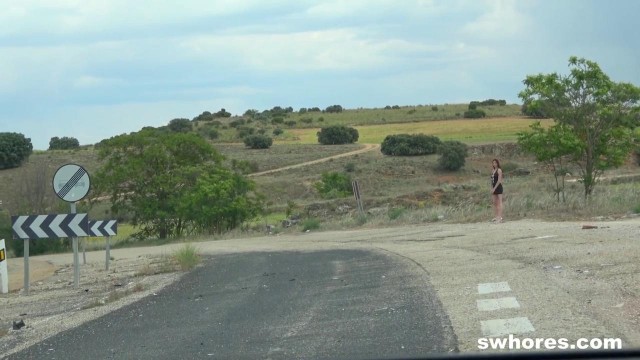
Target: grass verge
(187, 257)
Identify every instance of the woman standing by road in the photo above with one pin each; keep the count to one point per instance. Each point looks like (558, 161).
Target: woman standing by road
(496, 190)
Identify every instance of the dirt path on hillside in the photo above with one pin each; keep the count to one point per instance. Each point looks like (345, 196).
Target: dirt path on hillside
(366, 148)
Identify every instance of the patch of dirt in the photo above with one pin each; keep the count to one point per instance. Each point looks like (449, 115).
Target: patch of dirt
(54, 304)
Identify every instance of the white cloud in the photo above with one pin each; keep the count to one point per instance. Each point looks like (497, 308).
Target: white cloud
(502, 20)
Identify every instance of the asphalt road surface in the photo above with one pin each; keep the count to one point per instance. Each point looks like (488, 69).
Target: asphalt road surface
(338, 304)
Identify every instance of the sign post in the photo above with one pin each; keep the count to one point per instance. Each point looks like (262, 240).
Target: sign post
(106, 228)
(356, 194)
(4, 274)
(47, 227)
(72, 183)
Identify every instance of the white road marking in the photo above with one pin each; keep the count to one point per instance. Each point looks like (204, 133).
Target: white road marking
(501, 327)
(546, 237)
(498, 304)
(489, 288)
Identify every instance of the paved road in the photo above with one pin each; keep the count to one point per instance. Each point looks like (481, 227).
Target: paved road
(339, 304)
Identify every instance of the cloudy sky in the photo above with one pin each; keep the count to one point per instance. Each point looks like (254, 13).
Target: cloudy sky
(92, 69)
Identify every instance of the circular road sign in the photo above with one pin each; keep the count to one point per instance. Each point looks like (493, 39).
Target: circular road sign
(71, 183)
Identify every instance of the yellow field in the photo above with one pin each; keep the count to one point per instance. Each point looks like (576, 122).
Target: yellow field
(471, 131)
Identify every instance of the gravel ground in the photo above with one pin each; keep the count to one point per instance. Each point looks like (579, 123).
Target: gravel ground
(570, 282)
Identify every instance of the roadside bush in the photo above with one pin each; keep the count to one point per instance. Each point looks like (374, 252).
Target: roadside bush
(336, 135)
(334, 185)
(434, 108)
(396, 213)
(187, 257)
(310, 224)
(307, 120)
(452, 155)
(410, 145)
(290, 123)
(258, 141)
(277, 131)
(277, 120)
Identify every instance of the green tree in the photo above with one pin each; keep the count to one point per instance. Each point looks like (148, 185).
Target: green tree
(334, 109)
(64, 143)
(598, 111)
(452, 155)
(222, 113)
(554, 147)
(258, 141)
(337, 134)
(14, 150)
(218, 201)
(151, 175)
(180, 125)
(410, 144)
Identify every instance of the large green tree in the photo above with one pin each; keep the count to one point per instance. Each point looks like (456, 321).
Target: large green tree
(599, 112)
(64, 143)
(171, 184)
(14, 150)
(554, 147)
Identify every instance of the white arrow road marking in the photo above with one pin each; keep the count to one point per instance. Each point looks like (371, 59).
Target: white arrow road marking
(35, 227)
(95, 230)
(75, 225)
(17, 227)
(110, 227)
(55, 226)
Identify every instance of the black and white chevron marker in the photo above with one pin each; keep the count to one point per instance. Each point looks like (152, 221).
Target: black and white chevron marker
(103, 228)
(50, 226)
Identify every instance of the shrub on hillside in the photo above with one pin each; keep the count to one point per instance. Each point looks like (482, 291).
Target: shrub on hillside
(14, 150)
(180, 125)
(410, 144)
(277, 131)
(210, 133)
(338, 134)
(244, 131)
(474, 114)
(452, 155)
(334, 109)
(334, 185)
(63, 143)
(258, 141)
(237, 123)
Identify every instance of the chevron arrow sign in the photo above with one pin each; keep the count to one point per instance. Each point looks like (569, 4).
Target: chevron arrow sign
(50, 226)
(103, 228)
